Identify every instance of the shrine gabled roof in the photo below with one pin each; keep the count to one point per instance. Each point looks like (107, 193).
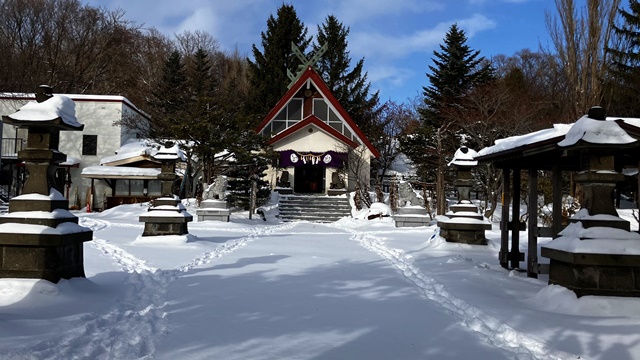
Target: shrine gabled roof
(310, 75)
(312, 119)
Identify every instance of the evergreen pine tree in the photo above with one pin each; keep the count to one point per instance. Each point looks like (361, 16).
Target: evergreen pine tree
(169, 102)
(456, 70)
(350, 87)
(625, 68)
(268, 72)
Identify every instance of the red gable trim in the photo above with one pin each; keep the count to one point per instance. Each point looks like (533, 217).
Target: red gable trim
(310, 73)
(317, 122)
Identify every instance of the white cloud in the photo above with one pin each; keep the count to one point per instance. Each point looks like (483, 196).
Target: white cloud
(475, 24)
(378, 45)
(388, 74)
(353, 11)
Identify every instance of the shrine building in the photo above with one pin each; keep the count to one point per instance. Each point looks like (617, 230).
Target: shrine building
(315, 137)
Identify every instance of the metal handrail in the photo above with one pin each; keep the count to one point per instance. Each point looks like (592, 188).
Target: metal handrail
(11, 146)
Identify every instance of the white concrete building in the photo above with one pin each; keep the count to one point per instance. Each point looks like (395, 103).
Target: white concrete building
(101, 137)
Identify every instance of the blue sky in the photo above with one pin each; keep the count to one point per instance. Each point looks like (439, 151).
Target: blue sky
(396, 37)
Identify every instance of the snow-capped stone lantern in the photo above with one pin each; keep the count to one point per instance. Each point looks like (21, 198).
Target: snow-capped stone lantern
(167, 216)
(596, 253)
(464, 223)
(463, 161)
(39, 237)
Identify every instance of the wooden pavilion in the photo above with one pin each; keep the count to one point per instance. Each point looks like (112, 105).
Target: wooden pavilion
(538, 151)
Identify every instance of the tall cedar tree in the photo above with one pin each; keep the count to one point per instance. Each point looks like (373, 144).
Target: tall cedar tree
(456, 70)
(268, 74)
(625, 67)
(168, 103)
(350, 87)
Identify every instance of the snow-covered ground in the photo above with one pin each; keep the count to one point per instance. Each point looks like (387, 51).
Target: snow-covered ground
(254, 289)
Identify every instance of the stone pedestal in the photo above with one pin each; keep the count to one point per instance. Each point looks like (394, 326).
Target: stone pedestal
(337, 192)
(39, 237)
(464, 230)
(594, 274)
(464, 224)
(596, 254)
(167, 216)
(411, 217)
(215, 210)
(283, 191)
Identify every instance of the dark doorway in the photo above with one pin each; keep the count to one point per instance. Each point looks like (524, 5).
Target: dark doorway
(309, 178)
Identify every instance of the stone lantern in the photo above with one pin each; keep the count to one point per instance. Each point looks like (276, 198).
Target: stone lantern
(167, 216)
(592, 256)
(39, 237)
(464, 224)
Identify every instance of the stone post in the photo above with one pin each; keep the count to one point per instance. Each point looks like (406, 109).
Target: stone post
(167, 216)
(590, 256)
(465, 224)
(51, 246)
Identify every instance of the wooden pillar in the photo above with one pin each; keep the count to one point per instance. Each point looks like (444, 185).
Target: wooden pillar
(556, 226)
(504, 220)
(93, 195)
(514, 254)
(532, 247)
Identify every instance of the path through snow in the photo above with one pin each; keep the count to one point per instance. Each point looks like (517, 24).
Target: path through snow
(488, 327)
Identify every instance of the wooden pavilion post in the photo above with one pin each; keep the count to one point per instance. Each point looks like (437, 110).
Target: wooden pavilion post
(504, 220)
(556, 225)
(532, 246)
(515, 254)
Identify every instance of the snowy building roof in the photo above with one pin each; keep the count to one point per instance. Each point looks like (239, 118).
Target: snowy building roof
(546, 147)
(131, 151)
(119, 172)
(58, 110)
(78, 98)
(595, 131)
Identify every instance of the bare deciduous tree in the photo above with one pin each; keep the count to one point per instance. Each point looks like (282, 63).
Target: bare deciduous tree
(580, 38)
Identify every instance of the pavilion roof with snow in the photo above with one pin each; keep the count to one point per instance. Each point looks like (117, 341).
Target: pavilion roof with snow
(550, 147)
(565, 147)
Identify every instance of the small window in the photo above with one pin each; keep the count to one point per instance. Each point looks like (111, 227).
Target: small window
(278, 126)
(295, 109)
(122, 187)
(89, 144)
(320, 109)
(155, 188)
(136, 187)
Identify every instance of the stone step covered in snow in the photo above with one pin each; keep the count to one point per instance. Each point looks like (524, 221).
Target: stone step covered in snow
(315, 208)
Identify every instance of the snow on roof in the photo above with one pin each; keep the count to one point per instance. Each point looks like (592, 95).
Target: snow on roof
(78, 97)
(120, 171)
(465, 157)
(596, 132)
(526, 139)
(58, 106)
(132, 148)
(70, 161)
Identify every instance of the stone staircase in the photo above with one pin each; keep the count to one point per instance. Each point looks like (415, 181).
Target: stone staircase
(314, 208)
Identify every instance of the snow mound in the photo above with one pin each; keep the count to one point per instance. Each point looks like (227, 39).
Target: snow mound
(558, 299)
